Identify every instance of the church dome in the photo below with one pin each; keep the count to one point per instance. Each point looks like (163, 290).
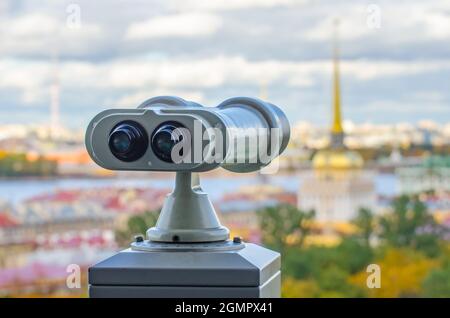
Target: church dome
(337, 159)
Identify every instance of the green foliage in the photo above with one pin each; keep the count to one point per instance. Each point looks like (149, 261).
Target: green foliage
(410, 225)
(283, 221)
(16, 165)
(437, 283)
(350, 255)
(364, 221)
(333, 282)
(136, 225)
(409, 254)
(328, 267)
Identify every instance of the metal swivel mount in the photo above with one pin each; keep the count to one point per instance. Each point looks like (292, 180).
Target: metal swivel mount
(188, 254)
(187, 215)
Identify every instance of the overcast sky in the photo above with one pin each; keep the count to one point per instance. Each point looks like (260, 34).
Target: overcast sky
(395, 56)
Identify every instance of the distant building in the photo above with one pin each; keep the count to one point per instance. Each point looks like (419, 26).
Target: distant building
(337, 187)
(432, 174)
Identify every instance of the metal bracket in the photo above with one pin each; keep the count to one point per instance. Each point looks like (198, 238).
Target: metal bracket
(188, 215)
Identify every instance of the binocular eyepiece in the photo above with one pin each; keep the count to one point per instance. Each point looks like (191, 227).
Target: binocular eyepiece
(170, 134)
(128, 141)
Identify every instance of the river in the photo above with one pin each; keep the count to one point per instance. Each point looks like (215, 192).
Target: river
(14, 191)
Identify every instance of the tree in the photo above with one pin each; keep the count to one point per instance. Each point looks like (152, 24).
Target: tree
(282, 222)
(320, 271)
(364, 221)
(402, 273)
(410, 225)
(333, 282)
(437, 283)
(352, 255)
(293, 288)
(136, 225)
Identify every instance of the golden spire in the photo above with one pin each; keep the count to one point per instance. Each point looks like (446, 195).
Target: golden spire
(336, 157)
(337, 119)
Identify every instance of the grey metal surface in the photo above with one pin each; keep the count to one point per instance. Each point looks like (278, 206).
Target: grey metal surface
(187, 215)
(232, 112)
(252, 271)
(236, 113)
(149, 246)
(271, 289)
(172, 292)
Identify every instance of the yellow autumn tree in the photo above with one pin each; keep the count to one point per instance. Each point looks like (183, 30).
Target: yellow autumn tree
(402, 274)
(293, 288)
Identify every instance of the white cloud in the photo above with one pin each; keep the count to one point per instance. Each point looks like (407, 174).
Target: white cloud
(29, 25)
(367, 69)
(405, 107)
(37, 33)
(399, 23)
(223, 5)
(352, 27)
(30, 79)
(192, 76)
(176, 25)
(427, 95)
(437, 25)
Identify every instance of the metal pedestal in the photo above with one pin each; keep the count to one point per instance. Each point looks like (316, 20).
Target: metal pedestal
(221, 269)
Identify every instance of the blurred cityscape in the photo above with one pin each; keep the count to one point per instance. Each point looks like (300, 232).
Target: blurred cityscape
(347, 193)
(57, 207)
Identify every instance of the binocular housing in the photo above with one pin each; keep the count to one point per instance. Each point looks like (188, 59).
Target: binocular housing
(168, 133)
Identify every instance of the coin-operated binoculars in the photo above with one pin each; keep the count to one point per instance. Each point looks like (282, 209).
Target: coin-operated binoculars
(188, 253)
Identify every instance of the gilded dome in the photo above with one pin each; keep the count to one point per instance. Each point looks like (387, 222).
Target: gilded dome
(337, 159)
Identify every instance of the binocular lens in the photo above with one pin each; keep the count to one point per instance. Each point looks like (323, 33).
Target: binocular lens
(121, 142)
(165, 137)
(128, 141)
